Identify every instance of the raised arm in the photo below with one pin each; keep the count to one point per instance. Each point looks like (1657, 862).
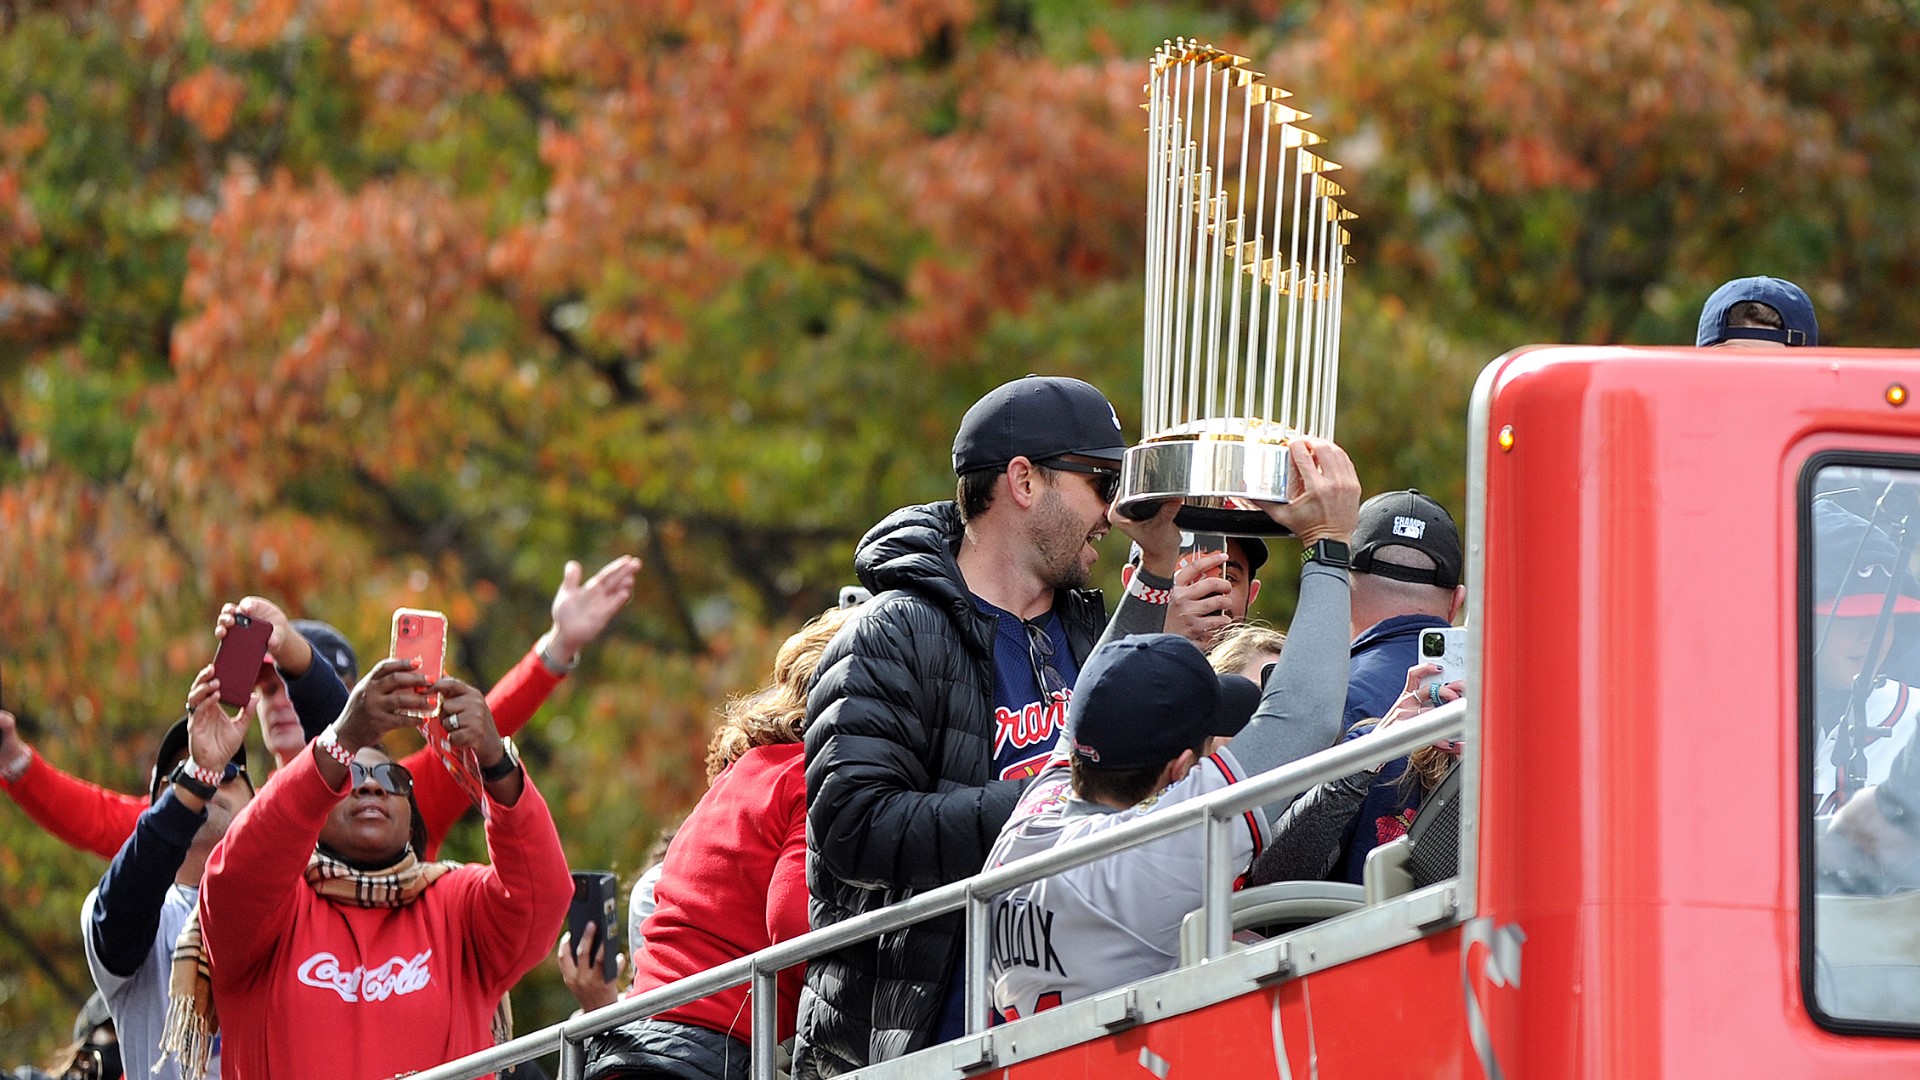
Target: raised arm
(1299, 713)
(76, 813)
(581, 612)
(248, 892)
(515, 903)
(123, 913)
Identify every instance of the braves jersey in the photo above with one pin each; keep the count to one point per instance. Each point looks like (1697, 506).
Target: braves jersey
(1109, 922)
(1890, 710)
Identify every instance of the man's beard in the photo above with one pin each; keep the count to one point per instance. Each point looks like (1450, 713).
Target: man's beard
(1057, 538)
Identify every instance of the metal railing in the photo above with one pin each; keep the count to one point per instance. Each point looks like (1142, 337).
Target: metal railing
(1216, 813)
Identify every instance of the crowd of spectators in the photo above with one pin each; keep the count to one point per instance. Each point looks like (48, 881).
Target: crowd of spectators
(971, 703)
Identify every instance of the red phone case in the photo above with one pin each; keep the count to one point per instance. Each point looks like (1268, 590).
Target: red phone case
(422, 634)
(237, 664)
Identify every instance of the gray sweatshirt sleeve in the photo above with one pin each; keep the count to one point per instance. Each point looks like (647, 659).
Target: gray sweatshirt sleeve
(1300, 712)
(1136, 616)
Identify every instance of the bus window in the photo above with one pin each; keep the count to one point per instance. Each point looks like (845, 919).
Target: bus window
(1860, 694)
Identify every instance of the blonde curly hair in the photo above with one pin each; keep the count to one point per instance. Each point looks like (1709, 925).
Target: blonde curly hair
(776, 711)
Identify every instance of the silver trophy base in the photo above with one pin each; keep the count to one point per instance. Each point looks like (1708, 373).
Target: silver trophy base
(1213, 476)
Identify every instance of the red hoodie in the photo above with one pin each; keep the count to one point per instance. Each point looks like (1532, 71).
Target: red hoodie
(310, 989)
(735, 882)
(86, 816)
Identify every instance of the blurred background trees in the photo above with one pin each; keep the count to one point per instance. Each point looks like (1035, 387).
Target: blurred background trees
(359, 304)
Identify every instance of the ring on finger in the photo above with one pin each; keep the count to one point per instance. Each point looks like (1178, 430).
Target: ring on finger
(1433, 694)
(453, 721)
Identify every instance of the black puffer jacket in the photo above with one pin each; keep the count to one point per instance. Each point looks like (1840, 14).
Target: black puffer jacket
(899, 753)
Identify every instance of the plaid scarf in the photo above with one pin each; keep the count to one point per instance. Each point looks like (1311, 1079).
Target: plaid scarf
(191, 1020)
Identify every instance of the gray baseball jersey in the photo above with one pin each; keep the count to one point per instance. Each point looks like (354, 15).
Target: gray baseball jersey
(1110, 922)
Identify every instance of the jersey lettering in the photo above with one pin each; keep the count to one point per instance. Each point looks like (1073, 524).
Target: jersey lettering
(1033, 725)
(379, 983)
(1023, 934)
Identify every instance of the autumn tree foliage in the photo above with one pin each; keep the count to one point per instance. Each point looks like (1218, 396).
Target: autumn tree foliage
(358, 304)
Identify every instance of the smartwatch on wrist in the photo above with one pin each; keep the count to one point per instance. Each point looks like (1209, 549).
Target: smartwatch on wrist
(508, 764)
(1333, 553)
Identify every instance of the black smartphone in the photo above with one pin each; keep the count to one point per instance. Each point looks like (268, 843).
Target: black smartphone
(596, 900)
(237, 664)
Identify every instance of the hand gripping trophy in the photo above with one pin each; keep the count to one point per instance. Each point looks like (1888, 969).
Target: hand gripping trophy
(1246, 258)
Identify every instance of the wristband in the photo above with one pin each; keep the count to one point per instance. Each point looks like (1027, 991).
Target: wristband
(201, 782)
(329, 744)
(1147, 593)
(555, 667)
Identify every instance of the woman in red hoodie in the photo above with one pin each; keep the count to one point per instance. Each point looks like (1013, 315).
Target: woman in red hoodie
(734, 882)
(334, 950)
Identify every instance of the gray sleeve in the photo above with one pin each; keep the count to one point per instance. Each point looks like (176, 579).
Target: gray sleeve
(1300, 713)
(1311, 835)
(1136, 616)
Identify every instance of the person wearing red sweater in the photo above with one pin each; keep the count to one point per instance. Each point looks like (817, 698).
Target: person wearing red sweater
(734, 882)
(91, 818)
(334, 950)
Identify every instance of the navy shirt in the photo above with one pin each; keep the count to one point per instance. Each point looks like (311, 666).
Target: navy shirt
(1026, 724)
(1381, 657)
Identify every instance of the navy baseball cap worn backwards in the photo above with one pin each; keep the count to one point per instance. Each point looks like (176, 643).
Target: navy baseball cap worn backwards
(1038, 417)
(1141, 700)
(1783, 296)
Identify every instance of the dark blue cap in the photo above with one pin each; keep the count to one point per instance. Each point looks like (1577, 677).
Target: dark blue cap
(1783, 296)
(330, 645)
(1141, 700)
(1038, 417)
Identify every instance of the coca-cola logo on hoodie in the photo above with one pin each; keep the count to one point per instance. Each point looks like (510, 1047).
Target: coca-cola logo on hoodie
(377, 983)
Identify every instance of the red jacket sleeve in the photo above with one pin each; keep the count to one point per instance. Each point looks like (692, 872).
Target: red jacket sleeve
(513, 701)
(517, 902)
(78, 814)
(253, 876)
(787, 891)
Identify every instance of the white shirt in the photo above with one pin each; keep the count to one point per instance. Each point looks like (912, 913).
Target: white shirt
(1110, 922)
(1892, 708)
(138, 1002)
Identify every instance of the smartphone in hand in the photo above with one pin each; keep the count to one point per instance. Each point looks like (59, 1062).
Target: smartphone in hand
(421, 635)
(237, 664)
(595, 899)
(1447, 648)
(1198, 545)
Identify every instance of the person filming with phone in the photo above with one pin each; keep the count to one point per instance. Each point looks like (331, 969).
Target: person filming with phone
(317, 915)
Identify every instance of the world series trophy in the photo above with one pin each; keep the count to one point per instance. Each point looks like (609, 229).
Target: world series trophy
(1246, 259)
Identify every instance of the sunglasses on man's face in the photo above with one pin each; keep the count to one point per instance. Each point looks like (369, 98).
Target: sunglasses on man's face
(393, 778)
(1106, 482)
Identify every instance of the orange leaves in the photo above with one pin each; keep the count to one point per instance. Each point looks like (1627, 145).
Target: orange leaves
(208, 99)
(1037, 189)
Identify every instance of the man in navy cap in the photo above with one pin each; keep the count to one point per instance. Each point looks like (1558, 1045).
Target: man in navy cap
(931, 711)
(1757, 313)
(1406, 578)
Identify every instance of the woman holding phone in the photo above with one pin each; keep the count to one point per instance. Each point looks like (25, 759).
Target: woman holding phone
(734, 882)
(336, 951)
